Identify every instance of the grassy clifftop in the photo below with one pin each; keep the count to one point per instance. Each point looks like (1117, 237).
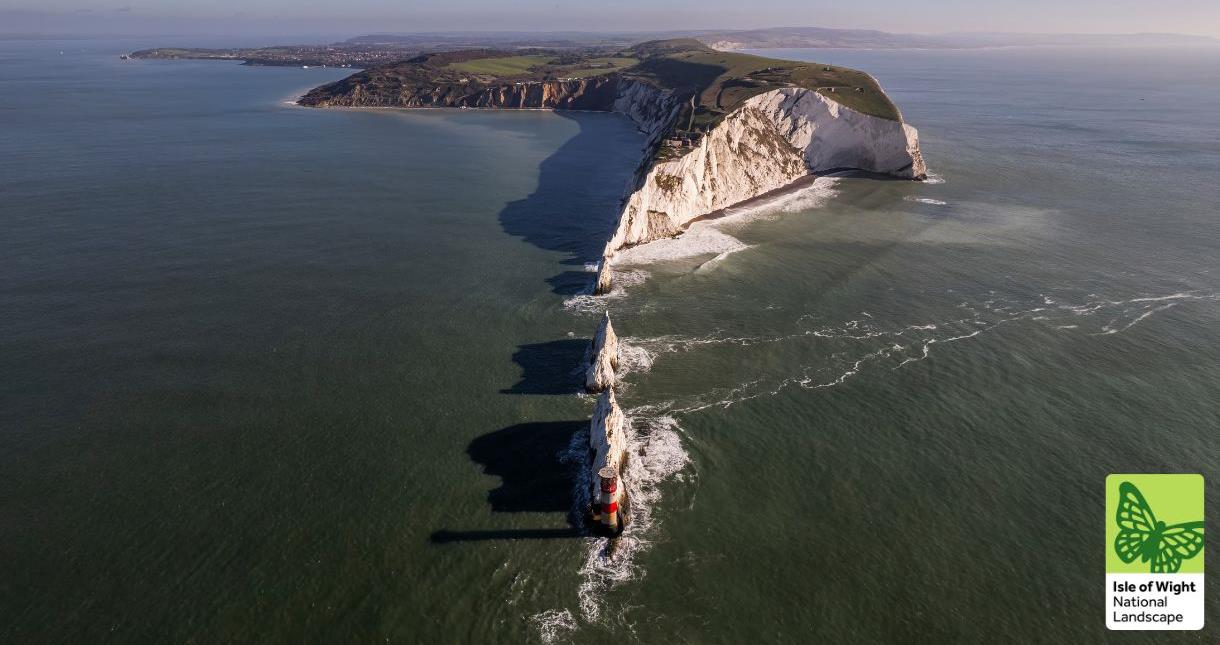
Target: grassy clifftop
(721, 81)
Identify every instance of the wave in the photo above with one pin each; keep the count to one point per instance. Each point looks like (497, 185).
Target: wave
(553, 624)
(587, 303)
(709, 237)
(702, 238)
(633, 359)
(926, 200)
(814, 195)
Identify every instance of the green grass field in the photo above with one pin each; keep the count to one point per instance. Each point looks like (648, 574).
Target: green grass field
(597, 67)
(741, 76)
(506, 66)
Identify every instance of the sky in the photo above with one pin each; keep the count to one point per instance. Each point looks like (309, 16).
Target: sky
(353, 17)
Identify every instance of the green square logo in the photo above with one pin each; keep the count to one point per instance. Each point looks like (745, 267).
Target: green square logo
(1154, 523)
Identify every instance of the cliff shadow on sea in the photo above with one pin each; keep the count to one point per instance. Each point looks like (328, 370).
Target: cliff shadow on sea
(533, 479)
(572, 210)
(575, 205)
(552, 367)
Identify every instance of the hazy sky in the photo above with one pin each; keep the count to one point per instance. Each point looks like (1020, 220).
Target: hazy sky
(287, 17)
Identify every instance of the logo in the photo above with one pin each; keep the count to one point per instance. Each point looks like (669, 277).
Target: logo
(1154, 552)
(1142, 536)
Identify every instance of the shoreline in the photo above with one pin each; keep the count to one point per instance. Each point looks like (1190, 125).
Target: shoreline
(297, 103)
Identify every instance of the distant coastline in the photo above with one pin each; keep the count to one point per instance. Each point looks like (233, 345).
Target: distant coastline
(378, 49)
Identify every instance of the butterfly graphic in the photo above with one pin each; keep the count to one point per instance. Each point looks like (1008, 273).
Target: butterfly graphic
(1141, 535)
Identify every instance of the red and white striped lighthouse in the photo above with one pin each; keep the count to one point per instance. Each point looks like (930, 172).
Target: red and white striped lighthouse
(609, 497)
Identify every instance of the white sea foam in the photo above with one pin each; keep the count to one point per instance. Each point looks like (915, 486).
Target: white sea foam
(633, 359)
(702, 238)
(710, 237)
(856, 346)
(814, 195)
(926, 200)
(853, 349)
(587, 303)
(655, 454)
(553, 624)
(934, 179)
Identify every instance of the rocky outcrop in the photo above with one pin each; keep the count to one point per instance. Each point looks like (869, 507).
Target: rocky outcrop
(605, 277)
(601, 372)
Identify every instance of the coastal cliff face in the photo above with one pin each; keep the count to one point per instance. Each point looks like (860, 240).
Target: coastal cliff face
(772, 140)
(651, 108)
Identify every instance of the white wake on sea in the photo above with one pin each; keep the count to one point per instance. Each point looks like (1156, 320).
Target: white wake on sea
(857, 345)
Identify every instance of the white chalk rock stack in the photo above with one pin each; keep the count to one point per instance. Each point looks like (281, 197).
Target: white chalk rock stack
(607, 436)
(604, 278)
(601, 373)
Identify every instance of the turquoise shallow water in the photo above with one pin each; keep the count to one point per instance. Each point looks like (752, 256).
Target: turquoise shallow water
(276, 374)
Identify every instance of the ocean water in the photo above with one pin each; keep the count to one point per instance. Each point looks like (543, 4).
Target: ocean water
(279, 375)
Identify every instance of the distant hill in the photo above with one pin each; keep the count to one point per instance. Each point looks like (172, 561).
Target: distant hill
(381, 49)
(777, 37)
(783, 37)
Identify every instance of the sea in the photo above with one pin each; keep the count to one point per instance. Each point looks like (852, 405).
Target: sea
(282, 375)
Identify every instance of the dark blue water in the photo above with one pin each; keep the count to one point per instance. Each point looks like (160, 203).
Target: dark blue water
(276, 374)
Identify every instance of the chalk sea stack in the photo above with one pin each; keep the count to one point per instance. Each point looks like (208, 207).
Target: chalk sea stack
(600, 374)
(607, 436)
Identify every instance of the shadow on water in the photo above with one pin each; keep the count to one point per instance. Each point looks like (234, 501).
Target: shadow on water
(533, 479)
(576, 202)
(550, 367)
(570, 283)
(571, 211)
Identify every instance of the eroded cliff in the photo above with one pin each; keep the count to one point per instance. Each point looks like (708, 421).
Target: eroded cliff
(770, 141)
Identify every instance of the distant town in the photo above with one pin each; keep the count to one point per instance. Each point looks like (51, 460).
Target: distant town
(295, 55)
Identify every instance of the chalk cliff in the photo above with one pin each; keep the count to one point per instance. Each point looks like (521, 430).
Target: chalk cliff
(651, 108)
(600, 374)
(770, 141)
